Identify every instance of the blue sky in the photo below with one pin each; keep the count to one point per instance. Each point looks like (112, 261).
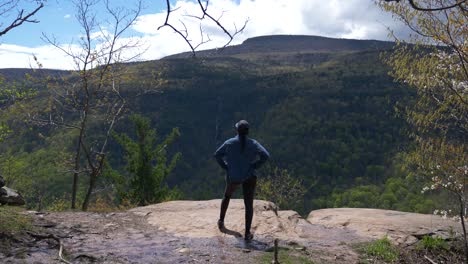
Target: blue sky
(58, 18)
(359, 19)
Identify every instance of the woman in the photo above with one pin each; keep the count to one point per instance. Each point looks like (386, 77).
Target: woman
(240, 156)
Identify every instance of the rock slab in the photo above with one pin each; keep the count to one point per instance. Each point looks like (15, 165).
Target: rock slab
(198, 220)
(400, 227)
(11, 197)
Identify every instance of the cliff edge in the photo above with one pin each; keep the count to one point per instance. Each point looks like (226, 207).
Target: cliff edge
(186, 232)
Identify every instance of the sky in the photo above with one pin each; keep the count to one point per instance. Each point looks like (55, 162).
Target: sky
(356, 19)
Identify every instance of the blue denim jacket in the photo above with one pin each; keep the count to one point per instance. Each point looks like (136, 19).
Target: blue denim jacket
(240, 165)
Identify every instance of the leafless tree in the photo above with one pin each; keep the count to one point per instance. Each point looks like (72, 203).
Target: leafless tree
(10, 8)
(184, 33)
(91, 97)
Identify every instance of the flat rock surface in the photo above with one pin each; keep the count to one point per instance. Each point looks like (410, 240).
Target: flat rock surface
(197, 219)
(186, 232)
(401, 227)
(182, 232)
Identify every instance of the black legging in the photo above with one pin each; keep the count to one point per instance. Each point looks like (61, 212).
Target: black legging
(248, 190)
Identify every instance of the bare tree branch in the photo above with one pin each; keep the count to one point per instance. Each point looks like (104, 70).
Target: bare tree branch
(20, 18)
(184, 34)
(93, 94)
(431, 9)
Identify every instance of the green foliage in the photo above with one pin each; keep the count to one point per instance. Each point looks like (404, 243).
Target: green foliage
(381, 249)
(14, 220)
(400, 192)
(12, 92)
(404, 194)
(39, 175)
(327, 125)
(277, 185)
(328, 118)
(358, 197)
(4, 131)
(58, 204)
(147, 163)
(432, 243)
(438, 119)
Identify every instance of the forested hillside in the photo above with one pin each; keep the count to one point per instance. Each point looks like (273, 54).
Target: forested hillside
(328, 113)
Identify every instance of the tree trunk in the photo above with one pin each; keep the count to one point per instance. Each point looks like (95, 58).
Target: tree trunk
(76, 169)
(462, 220)
(92, 183)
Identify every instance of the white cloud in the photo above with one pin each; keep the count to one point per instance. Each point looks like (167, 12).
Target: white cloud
(67, 16)
(359, 19)
(101, 35)
(14, 56)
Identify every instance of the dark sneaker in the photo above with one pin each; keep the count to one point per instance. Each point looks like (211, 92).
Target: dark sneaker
(248, 236)
(221, 224)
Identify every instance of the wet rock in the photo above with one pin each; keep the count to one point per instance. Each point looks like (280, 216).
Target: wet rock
(11, 197)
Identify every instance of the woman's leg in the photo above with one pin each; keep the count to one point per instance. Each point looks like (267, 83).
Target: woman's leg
(248, 189)
(230, 188)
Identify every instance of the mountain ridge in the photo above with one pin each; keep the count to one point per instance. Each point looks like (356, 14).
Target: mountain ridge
(290, 43)
(297, 45)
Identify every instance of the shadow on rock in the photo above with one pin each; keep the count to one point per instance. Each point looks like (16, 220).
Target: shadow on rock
(230, 232)
(253, 245)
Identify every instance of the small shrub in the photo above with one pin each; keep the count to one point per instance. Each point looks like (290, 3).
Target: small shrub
(12, 220)
(126, 204)
(102, 205)
(432, 243)
(382, 249)
(59, 205)
(280, 187)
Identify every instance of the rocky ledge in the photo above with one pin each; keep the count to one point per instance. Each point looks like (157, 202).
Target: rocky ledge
(186, 232)
(400, 227)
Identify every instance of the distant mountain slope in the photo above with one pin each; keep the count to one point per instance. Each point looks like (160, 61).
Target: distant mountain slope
(291, 43)
(325, 108)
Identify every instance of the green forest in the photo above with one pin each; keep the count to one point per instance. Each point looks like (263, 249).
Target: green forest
(334, 119)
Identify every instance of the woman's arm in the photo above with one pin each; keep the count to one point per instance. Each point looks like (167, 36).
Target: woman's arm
(262, 153)
(219, 155)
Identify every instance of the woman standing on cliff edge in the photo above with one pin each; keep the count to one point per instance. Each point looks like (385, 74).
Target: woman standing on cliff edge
(240, 156)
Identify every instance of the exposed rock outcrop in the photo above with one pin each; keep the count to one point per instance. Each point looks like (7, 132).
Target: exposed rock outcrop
(186, 232)
(10, 197)
(401, 227)
(197, 219)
